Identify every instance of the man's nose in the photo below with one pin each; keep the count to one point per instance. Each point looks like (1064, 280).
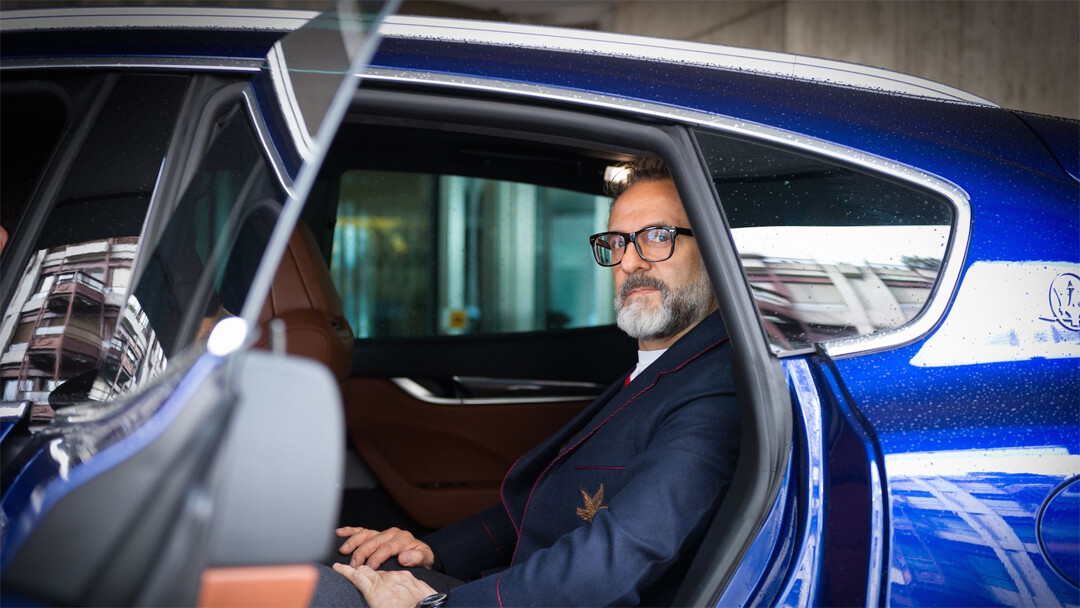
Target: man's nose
(631, 260)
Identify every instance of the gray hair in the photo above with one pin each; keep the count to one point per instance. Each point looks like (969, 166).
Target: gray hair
(641, 169)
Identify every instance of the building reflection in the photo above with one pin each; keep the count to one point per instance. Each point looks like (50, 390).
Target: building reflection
(68, 313)
(804, 301)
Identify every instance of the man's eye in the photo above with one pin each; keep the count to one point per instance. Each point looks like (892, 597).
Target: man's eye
(616, 242)
(657, 236)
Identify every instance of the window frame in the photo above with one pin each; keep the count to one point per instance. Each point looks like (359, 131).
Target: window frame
(933, 309)
(956, 250)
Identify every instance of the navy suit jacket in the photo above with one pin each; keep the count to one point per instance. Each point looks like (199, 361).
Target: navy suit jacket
(609, 510)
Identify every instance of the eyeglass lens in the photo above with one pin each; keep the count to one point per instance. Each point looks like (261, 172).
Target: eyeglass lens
(653, 245)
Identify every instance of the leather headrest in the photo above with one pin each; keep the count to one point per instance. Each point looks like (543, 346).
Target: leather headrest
(304, 297)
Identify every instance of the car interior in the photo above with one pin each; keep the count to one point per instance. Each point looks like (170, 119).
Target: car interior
(480, 397)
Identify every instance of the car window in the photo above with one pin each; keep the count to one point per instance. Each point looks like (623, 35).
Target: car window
(203, 265)
(72, 315)
(36, 112)
(830, 252)
(420, 254)
(68, 301)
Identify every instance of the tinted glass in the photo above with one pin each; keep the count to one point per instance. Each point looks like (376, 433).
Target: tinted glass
(67, 303)
(202, 267)
(425, 254)
(34, 117)
(830, 252)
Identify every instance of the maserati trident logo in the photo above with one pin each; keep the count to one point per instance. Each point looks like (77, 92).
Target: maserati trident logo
(1065, 300)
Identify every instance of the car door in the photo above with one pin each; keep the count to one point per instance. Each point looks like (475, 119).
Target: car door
(145, 459)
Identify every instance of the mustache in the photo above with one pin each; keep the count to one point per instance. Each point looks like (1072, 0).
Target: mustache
(639, 280)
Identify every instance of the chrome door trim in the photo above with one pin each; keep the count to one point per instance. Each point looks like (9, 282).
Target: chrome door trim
(270, 152)
(187, 64)
(416, 391)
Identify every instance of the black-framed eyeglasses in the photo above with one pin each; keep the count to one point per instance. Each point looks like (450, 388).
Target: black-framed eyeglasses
(654, 244)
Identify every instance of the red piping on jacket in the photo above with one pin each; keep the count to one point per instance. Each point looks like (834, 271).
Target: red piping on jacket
(498, 554)
(525, 511)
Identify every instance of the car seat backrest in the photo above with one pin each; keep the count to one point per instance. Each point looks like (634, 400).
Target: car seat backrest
(304, 297)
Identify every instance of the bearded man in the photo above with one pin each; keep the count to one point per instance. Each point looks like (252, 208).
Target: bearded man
(609, 510)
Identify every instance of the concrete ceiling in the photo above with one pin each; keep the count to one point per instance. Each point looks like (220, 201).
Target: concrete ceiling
(566, 13)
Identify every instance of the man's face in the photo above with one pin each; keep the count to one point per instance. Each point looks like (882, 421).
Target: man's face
(657, 302)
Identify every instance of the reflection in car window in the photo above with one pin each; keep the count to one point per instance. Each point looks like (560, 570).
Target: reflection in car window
(424, 255)
(71, 298)
(68, 302)
(830, 252)
(71, 311)
(201, 268)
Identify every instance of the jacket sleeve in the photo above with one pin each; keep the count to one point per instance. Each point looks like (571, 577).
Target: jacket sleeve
(468, 547)
(676, 486)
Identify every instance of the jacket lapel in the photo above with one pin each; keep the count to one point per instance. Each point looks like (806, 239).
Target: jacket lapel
(709, 331)
(526, 472)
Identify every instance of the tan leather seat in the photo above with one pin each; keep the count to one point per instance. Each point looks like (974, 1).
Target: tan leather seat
(304, 297)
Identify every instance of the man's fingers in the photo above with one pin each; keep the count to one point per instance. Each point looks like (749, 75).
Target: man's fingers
(372, 547)
(345, 531)
(364, 549)
(356, 540)
(377, 550)
(411, 557)
(363, 577)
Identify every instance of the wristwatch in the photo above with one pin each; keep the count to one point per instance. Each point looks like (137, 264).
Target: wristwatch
(432, 601)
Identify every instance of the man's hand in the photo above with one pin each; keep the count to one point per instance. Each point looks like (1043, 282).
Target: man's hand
(372, 547)
(386, 588)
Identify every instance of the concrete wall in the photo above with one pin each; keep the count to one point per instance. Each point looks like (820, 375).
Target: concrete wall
(1020, 54)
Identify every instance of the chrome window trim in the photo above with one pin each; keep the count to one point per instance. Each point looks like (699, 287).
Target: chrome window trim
(581, 42)
(291, 112)
(69, 18)
(216, 64)
(956, 251)
(526, 384)
(263, 134)
(417, 391)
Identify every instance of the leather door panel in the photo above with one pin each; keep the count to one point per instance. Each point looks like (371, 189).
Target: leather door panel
(442, 462)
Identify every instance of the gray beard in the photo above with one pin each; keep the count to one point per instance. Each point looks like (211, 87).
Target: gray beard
(678, 309)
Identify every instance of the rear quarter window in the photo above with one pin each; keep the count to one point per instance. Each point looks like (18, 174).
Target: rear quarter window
(830, 252)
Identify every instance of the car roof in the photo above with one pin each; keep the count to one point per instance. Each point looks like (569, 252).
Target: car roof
(226, 20)
(813, 104)
(644, 48)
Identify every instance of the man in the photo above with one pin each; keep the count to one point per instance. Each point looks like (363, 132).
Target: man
(609, 510)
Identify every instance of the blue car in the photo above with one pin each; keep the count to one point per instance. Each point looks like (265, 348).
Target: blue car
(265, 272)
